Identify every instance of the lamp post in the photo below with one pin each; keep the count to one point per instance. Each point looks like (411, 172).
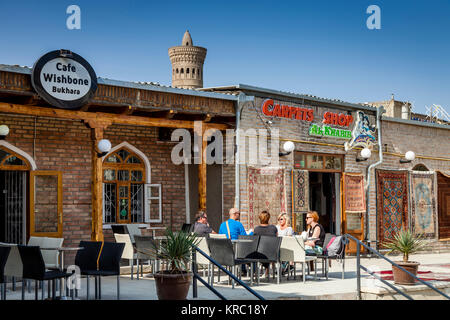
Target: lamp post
(4, 131)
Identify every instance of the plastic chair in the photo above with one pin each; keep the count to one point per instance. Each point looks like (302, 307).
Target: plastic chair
(109, 264)
(326, 258)
(4, 253)
(202, 261)
(268, 252)
(36, 241)
(222, 252)
(128, 252)
(133, 230)
(34, 269)
(86, 260)
(293, 249)
(51, 257)
(119, 228)
(145, 247)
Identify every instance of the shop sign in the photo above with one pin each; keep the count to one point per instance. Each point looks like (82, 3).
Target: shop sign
(270, 109)
(327, 131)
(363, 133)
(64, 79)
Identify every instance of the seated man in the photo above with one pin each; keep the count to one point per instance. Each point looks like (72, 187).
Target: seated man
(201, 226)
(232, 227)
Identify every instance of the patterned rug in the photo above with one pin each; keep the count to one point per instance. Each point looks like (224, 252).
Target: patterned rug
(300, 196)
(392, 203)
(423, 203)
(423, 275)
(266, 191)
(354, 193)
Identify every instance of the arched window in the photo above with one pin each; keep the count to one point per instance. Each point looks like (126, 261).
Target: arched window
(12, 161)
(420, 167)
(193, 70)
(182, 70)
(123, 181)
(177, 70)
(187, 70)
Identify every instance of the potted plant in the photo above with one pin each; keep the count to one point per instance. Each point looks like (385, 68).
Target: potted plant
(176, 250)
(406, 243)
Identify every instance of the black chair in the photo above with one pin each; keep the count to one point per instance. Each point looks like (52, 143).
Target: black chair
(119, 228)
(268, 252)
(222, 252)
(187, 227)
(86, 260)
(34, 269)
(4, 253)
(109, 264)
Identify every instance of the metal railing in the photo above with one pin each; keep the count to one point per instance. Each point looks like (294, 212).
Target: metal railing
(197, 276)
(372, 273)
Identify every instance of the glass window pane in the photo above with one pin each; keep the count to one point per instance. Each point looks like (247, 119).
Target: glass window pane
(333, 163)
(136, 202)
(123, 209)
(109, 175)
(123, 191)
(314, 161)
(123, 175)
(110, 200)
(14, 161)
(123, 154)
(133, 159)
(299, 162)
(3, 155)
(46, 203)
(136, 175)
(113, 159)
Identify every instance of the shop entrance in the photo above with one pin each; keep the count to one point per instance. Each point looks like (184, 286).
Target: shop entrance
(324, 189)
(322, 192)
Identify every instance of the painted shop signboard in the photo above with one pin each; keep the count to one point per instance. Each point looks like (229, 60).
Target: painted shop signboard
(326, 131)
(64, 79)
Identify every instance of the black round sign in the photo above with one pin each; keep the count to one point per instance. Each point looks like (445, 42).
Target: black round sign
(64, 79)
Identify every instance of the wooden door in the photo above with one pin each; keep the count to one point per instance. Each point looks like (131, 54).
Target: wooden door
(444, 206)
(46, 214)
(353, 208)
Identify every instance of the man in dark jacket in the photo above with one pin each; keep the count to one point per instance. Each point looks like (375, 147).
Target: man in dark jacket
(201, 226)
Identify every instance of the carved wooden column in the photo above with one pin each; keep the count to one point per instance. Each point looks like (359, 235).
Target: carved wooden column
(199, 129)
(97, 128)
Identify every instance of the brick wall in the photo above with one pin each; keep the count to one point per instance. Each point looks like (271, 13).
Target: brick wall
(399, 137)
(65, 146)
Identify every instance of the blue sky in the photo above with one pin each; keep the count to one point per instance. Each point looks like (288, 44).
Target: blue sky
(316, 47)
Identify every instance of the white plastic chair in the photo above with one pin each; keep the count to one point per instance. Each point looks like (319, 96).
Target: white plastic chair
(51, 257)
(36, 241)
(293, 249)
(133, 230)
(202, 261)
(128, 251)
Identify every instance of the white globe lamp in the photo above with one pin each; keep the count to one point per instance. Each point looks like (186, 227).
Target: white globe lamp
(410, 155)
(366, 153)
(4, 131)
(289, 146)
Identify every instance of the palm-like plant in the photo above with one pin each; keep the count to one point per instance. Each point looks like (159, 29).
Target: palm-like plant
(176, 249)
(405, 242)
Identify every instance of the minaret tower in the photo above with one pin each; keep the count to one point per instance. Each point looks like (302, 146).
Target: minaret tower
(187, 64)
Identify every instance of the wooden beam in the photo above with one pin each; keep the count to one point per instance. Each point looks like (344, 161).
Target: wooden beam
(200, 129)
(100, 116)
(97, 129)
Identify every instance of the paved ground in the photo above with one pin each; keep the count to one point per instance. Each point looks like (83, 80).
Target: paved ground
(333, 288)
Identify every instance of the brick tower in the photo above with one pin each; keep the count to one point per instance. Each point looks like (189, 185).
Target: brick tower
(187, 64)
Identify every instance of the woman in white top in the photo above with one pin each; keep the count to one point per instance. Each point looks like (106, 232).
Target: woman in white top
(285, 230)
(283, 225)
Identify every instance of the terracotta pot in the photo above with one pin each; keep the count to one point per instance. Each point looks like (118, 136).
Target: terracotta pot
(172, 286)
(401, 277)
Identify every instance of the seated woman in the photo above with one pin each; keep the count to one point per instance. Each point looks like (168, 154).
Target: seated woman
(283, 225)
(265, 229)
(315, 230)
(284, 229)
